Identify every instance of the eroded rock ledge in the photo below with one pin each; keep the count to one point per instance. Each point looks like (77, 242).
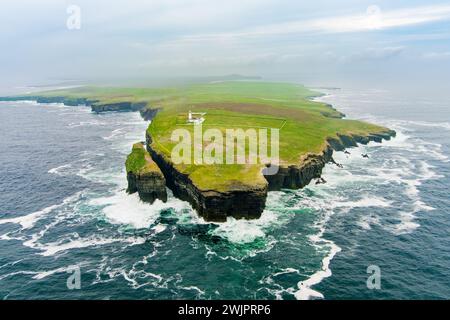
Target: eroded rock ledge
(243, 201)
(96, 106)
(311, 166)
(249, 202)
(144, 176)
(240, 202)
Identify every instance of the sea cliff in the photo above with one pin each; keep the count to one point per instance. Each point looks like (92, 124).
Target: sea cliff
(144, 176)
(240, 201)
(246, 201)
(309, 133)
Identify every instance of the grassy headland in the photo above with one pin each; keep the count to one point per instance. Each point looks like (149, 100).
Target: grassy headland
(139, 160)
(305, 126)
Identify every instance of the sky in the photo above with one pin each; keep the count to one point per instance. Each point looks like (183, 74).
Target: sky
(320, 43)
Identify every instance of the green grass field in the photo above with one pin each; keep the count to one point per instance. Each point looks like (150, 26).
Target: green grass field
(139, 160)
(304, 125)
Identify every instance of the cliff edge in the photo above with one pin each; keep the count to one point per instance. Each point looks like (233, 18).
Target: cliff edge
(144, 176)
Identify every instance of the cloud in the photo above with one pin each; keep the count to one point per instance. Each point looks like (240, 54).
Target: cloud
(278, 59)
(437, 55)
(214, 61)
(192, 37)
(373, 19)
(377, 53)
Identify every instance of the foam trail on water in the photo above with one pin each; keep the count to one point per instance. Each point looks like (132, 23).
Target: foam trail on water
(246, 231)
(60, 170)
(123, 208)
(242, 231)
(29, 220)
(305, 292)
(52, 248)
(44, 274)
(396, 168)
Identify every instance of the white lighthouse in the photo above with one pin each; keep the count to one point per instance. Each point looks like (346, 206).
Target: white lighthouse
(195, 118)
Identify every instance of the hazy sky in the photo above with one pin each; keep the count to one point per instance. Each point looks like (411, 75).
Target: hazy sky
(316, 42)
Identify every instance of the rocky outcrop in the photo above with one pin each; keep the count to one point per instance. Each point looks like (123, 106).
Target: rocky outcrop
(148, 113)
(298, 176)
(311, 166)
(52, 99)
(148, 171)
(95, 105)
(241, 201)
(246, 201)
(333, 113)
(144, 176)
(118, 106)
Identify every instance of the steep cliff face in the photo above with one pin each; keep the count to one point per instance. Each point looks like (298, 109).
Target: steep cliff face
(148, 113)
(311, 166)
(150, 186)
(42, 99)
(149, 177)
(144, 176)
(246, 201)
(95, 105)
(298, 176)
(242, 201)
(118, 107)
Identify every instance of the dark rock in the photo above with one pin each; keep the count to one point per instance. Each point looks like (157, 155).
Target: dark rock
(118, 106)
(148, 181)
(148, 114)
(212, 205)
(310, 167)
(249, 203)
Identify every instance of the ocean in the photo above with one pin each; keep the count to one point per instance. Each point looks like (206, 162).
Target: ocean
(63, 207)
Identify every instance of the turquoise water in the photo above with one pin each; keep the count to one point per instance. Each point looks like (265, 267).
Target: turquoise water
(63, 204)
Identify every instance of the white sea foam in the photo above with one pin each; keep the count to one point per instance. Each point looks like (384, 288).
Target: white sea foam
(396, 167)
(305, 292)
(240, 231)
(285, 271)
(67, 242)
(87, 123)
(29, 220)
(115, 133)
(407, 223)
(367, 221)
(12, 274)
(123, 208)
(247, 231)
(44, 274)
(364, 202)
(200, 292)
(52, 248)
(61, 170)
(442, 125)
(407, 173)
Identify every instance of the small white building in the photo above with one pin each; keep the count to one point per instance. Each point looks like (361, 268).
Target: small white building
(196, 117)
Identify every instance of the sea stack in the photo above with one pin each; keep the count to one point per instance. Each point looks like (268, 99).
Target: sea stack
(144, 175)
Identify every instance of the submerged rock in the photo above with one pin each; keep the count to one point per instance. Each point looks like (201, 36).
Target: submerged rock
(144, 176)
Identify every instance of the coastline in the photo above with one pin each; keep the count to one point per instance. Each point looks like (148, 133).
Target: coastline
(347, 200)
(246, 201)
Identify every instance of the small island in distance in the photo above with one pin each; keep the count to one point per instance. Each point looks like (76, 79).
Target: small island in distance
(309, 131)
